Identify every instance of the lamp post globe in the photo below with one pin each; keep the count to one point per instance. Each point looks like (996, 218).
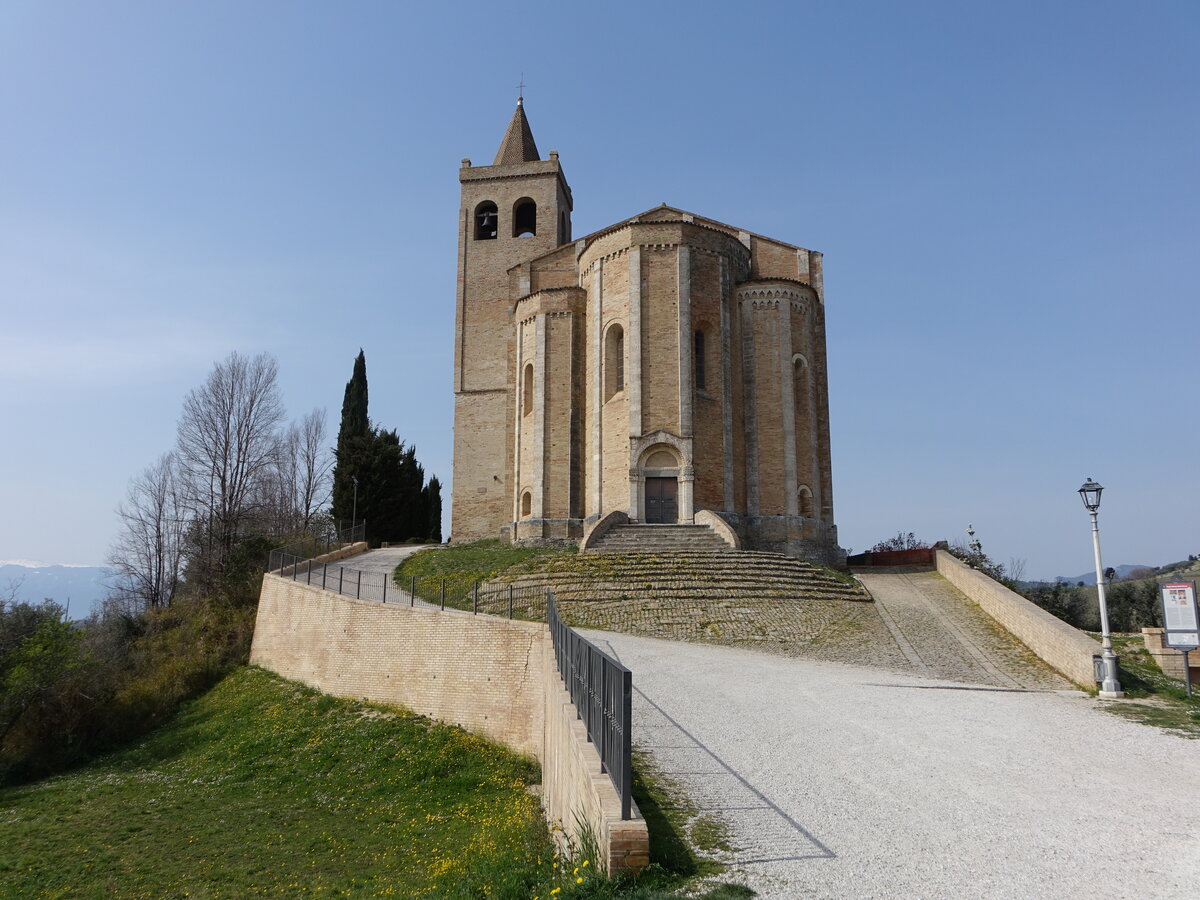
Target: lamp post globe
(1110, 687)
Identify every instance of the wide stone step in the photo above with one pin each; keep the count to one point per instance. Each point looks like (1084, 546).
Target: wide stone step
(695, 575)
(660, 538)
(693, 578)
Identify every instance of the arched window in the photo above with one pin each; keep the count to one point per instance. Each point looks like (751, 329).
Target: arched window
(806, 502)
(614, 361)
(486, 219)
(526, 505)
(564, 228)
(524, 218)
(527, 390)
(800, 383)
(698, 359)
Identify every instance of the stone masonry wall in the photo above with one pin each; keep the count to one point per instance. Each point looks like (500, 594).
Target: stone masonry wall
(1064, 648)
(492, 676)
(1169, 659)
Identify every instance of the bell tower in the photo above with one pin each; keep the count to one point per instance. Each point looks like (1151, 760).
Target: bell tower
(516, 209)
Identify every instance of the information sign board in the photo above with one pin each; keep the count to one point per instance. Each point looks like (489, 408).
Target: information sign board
(1181, 617)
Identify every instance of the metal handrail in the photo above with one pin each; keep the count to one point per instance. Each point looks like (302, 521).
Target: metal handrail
(318, 544)
(602, 691)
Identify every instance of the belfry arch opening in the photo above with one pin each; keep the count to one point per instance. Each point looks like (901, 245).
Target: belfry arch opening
(487, 218)
(524, 218)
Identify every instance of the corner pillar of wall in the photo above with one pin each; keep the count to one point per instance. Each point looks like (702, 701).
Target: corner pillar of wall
(687, 483)
(637, 495)
(633, 346)
(596, 314)
(727, 383)
(540, 419)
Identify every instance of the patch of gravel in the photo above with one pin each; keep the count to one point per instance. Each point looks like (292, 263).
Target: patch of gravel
(840, 781)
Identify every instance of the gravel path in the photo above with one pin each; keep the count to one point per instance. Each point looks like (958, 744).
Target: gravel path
(840, 781)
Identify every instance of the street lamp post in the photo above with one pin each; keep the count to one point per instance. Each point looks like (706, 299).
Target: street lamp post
(354, 514)
(1110, 687)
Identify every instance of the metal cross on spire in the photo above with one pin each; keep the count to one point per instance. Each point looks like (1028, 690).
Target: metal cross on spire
(521, 91)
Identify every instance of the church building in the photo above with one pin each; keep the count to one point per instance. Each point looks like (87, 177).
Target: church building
(668, 369)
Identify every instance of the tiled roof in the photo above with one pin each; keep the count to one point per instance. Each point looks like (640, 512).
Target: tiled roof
(518, 146)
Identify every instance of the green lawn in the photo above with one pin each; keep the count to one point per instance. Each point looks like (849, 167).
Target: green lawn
(264, 787)
(1153, 698)
(462, 566)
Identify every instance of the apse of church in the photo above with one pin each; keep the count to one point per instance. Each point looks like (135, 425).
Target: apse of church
(662, 366)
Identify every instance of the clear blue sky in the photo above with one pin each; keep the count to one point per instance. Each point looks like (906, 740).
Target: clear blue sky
(1006, 196)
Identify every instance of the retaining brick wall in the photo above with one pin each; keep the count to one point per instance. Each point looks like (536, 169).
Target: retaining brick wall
(1062, 647)
(1169, 659)
(492, 676)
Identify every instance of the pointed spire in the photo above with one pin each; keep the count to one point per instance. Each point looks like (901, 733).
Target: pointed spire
(518, 146)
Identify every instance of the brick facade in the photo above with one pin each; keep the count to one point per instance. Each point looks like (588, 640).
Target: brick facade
(667, 346)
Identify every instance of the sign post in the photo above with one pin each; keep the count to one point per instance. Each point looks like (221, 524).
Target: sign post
(1181, 621)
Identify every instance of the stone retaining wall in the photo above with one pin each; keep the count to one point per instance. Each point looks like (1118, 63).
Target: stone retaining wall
(1169, 659)
(489, 675)
(1062, 647)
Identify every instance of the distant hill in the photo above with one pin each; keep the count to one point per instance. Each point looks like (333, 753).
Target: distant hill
(1089, 578)
(82, 587)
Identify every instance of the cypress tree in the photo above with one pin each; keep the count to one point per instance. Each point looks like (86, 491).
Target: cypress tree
(433, 510)
(353, 444)
(392, 495)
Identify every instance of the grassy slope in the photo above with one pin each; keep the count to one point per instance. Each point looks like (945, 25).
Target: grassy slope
(262, 786)
(1154, 699)
(464, 565)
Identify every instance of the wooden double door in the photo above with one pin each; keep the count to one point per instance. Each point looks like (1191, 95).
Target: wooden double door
(662, 501)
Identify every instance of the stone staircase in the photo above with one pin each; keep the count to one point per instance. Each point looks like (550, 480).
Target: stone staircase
(659, 539)
(681, 576)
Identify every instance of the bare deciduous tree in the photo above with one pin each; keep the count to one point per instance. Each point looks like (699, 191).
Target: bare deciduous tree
(148, 554)
(1016, 569)
(298, 487)
(314, 464)
(227, 449)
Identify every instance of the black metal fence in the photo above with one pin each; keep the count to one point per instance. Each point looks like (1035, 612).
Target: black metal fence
(508, 602)
(319, 544)
(349, 582)
(602, 691)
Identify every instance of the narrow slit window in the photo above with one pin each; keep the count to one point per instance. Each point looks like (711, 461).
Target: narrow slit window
(614, 362)
(698, 358)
